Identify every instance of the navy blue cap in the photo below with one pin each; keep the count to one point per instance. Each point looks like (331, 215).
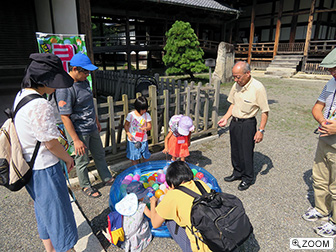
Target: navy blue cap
(137, 188)
(83, 61)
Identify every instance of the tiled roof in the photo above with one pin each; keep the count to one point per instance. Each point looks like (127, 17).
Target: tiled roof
(201, 4)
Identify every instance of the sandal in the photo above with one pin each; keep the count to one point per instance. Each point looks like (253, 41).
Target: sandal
(109, 182)
(89, 191)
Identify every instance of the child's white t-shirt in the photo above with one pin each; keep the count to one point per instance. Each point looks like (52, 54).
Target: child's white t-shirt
(137, 122)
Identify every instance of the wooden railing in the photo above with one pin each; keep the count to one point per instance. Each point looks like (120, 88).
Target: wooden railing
(242, 48)
(291, 47)
(199, 102)
(208, 44)
(321, 46)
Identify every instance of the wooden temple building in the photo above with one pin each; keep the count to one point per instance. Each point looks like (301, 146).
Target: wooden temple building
(269, 34)
(264, 33)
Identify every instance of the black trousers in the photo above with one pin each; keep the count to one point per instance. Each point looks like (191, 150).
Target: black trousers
(242, 132)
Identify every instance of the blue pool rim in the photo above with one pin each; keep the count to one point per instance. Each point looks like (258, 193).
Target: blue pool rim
(147, 168)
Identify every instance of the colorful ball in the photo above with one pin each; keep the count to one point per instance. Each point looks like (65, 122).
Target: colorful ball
(155, 174)
(161, 178)
(145, 185)
(204, 179)
(160, 171)
(162, 187)
(158, 193)
(136, 177)
(143, 179)
(151, 178)
(129, 177)
(151, 182)
(155, 186)
(165, 183)
(199, 175)
(194, 171)
(126, 181)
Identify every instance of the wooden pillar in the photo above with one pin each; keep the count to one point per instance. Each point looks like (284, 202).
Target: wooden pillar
(318, 21)
(308, 35)
(251, 32)
(278, 28)
(294, 22)
(197, 29)
(84, 27)
(128, 45)
(270, 37)
(309, 28)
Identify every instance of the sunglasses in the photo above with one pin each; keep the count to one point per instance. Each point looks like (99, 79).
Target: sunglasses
(82, 70)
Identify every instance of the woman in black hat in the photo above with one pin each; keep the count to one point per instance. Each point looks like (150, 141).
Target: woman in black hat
(34, 122)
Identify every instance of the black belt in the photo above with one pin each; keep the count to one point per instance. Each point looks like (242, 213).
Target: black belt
(235, 119)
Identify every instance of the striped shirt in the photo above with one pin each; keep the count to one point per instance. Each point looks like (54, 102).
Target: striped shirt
(327, 97)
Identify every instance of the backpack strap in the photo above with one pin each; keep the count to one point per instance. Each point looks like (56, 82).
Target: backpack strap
(21, 103)
(24, 101)
(192, 193)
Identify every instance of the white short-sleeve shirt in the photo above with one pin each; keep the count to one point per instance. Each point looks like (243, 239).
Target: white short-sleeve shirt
(36, 121)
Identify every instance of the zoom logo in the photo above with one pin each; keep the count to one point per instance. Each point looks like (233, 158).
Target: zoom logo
(311, 243)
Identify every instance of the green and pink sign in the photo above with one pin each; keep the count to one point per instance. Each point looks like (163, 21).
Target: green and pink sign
(64, 46)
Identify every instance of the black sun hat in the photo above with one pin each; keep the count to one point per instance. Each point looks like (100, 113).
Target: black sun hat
(46, 69)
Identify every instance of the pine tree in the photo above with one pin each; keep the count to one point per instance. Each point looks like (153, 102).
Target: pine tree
(182, 52)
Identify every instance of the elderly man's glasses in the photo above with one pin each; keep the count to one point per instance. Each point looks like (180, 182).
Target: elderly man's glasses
(237, 77)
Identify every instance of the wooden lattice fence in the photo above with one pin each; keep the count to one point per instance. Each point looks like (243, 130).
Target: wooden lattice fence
(197, 101)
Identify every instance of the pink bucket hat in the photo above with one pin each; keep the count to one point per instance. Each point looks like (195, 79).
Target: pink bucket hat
(185, 125)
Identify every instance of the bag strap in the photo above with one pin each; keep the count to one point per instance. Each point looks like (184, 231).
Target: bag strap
(21, 103)
(192, 193)
(24, 101)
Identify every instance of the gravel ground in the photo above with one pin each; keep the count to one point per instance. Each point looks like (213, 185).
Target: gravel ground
(281, 193)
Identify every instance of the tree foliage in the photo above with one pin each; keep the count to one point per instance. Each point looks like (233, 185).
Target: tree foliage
(182, 52)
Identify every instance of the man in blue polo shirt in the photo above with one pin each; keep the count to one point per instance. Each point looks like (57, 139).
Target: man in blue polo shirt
(81, 123)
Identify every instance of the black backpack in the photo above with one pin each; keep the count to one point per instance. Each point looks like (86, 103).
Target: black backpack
(219, 217)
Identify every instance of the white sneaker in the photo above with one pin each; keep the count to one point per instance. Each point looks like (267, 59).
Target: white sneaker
(328, 229)
(313, 215)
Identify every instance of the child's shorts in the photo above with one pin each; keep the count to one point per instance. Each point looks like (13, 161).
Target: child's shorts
(178, 150)
(134, 153)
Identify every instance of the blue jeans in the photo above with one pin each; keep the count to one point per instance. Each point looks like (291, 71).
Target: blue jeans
(93, 143)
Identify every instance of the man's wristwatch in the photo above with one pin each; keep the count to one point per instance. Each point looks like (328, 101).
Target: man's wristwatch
(261, 130)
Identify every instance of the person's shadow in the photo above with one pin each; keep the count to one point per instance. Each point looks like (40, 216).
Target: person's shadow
(261, 161)
(307, 177)
(198, 159)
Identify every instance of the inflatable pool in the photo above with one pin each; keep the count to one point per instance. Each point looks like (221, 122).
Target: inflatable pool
(148, 170)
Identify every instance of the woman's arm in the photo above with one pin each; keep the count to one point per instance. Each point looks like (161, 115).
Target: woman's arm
(156, 219)
(57, 149)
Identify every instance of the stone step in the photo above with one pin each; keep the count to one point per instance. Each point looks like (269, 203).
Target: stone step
(299, 57)
(279, 73)
(282, 69)
(283, 64)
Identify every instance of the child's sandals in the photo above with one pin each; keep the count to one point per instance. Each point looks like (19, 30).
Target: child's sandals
(90, 191)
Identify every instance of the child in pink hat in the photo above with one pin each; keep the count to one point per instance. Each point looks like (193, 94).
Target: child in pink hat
(177, 141)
